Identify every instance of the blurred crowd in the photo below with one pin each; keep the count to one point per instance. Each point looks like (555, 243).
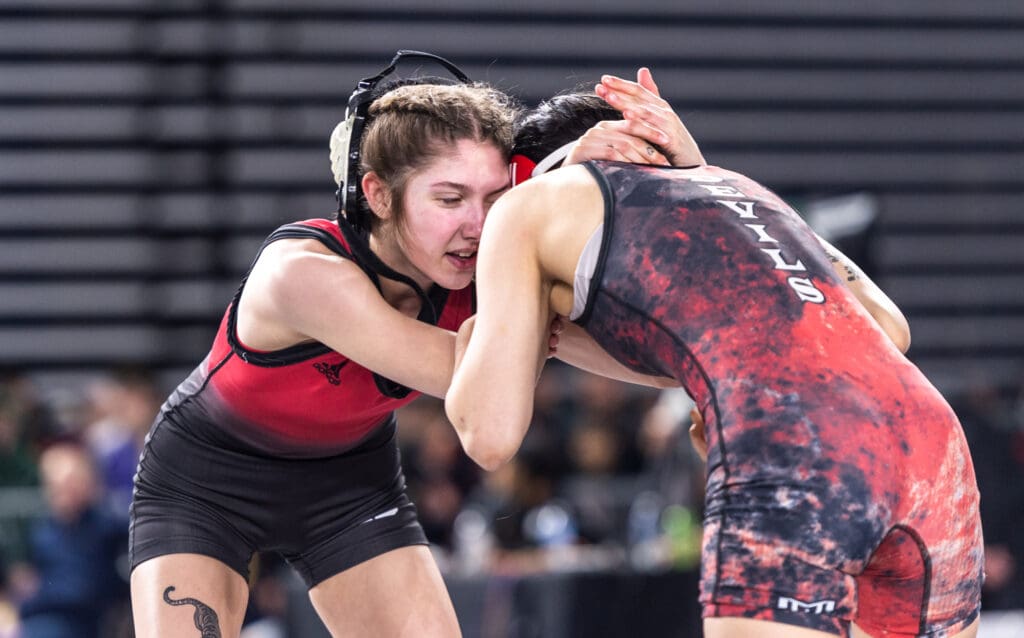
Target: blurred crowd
(606, 479)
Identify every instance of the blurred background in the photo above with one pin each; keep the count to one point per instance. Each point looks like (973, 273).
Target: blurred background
(147, 147)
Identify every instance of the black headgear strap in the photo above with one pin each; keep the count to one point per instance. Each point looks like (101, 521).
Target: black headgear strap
(352, 220)
(350, 189)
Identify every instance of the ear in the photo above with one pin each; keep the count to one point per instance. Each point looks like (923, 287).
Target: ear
(377, 195)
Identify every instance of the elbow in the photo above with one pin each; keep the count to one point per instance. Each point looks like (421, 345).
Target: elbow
(489, 458)
(481, 444)
(903, 341)
(487, 451)
(899, 332)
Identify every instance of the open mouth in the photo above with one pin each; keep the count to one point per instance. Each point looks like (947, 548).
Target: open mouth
(463, 259)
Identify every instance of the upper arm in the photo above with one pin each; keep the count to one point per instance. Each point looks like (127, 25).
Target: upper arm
(577, 348)
(491, 399)
(327, 298)
(883, 309)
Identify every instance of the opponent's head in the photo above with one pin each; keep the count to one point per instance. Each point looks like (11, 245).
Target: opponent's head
(544, 135)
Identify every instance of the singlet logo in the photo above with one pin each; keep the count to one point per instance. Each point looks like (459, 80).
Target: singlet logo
(819, 607)
(804, 288)
(332, 372)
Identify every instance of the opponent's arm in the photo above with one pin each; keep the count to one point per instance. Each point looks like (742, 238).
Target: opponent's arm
(641, 103)
(650, 133)
(501, 352)
(578, 349)
(883, 309)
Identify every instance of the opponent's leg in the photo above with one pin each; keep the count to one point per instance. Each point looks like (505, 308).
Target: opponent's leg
(187, 596)
(750, 628)
(971, 631)
(396, 594)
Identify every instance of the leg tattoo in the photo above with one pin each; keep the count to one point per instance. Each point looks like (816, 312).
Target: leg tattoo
(204, 617)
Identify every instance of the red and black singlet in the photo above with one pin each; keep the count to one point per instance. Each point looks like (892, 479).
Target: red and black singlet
(832, 460)
(303, 401)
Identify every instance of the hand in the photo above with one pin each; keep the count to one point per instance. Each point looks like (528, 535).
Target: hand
(698, 437)
(656, 122)
(557, 326)
(619, 141)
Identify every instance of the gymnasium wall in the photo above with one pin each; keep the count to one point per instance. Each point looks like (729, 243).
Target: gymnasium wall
(147, 147)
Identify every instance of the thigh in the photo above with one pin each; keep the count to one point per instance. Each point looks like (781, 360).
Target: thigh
(396, 594)
(749, 628)
(187, 595)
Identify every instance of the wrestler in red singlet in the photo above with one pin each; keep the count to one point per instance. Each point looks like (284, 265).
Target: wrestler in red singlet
(290, 451)
(306, 400)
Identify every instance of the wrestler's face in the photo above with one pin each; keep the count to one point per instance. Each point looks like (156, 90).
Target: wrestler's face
(443, 212)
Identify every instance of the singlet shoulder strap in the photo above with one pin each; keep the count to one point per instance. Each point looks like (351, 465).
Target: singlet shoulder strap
(301, 351)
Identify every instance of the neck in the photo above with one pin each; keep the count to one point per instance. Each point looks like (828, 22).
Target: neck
(398, 295)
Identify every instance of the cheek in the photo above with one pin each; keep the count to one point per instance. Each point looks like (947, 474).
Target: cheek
(426, 233)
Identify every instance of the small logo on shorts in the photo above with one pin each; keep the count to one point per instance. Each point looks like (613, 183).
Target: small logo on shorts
(386, 514)
(819, 607)
(331, 372)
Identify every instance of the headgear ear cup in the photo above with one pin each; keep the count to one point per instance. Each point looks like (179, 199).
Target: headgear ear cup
(341, 138)
(347, 135)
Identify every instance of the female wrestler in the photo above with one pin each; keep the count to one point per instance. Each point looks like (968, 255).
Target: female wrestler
(840, 492)
(283, 439)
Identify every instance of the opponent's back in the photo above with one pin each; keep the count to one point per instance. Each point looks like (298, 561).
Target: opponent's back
(821, 434)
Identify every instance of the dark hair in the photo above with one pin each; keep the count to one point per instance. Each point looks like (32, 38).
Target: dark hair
(558, 121)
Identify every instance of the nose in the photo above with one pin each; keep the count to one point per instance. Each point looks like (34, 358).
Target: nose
(473, 223)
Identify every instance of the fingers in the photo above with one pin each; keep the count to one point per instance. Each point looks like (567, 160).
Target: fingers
(697, 417)
(620, 141)
(557, 326)
(641, 101)
(698, 437)
(646, 80)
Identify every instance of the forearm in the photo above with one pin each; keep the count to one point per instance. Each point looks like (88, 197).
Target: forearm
(490, 411)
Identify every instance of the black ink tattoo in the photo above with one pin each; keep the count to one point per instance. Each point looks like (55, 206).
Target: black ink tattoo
(851, 274)
(204, 617)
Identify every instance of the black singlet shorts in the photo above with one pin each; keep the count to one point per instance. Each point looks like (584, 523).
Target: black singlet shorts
(200, 492)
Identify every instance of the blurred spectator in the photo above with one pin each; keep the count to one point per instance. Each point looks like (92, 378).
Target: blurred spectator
(123, 405)
(25, 424)
(20, 415)
(74, 551)
(8, 611)
(439, 472)
(605, 423)
(995, 432)
(507, 503)
(677, 471)
(266, 615)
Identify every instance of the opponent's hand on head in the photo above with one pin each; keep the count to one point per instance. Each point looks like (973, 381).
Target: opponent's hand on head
(617, 140)
(640, 102)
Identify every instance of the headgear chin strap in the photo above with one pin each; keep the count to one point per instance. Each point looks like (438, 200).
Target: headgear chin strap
(523, 168)
(347, 135)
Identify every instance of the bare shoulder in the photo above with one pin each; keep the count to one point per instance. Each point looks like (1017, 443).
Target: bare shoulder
(565, 194)
(293, 262)
(549, 217)
(294, 285)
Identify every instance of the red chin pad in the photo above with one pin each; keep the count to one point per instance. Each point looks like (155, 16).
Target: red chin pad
(521, 169)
